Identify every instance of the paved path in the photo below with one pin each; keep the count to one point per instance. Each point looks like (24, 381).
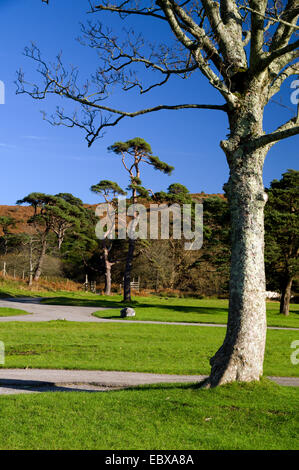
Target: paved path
(41, 312)
(14, 381)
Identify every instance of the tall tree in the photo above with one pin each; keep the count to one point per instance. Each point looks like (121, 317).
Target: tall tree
(133, 153)
(282, 234)
(246, 49)
(109, 190)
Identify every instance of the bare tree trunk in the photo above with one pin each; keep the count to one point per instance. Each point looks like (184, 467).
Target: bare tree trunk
(130, 255)
(30, 262)
(128, 269)
(241, 356)
(60, 241)
(107, 269)
(38, 269)
(286, 297)
(242, 353)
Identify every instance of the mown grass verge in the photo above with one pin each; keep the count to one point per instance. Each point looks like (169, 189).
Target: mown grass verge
(251, 416)
(11, 312)
(169, 349)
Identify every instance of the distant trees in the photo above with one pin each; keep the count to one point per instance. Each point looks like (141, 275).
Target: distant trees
(217, 243)
(69, 213)
(282, 235)
(62, 230)
(168, 260)
(52, 214)
(134, 153)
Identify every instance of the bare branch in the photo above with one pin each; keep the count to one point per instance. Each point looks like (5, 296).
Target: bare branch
(289, 129)
(232, 51)
(263, 15)
(292, 69)
(257, 10)
(287, 26)
(282, 53)
(126, 11)
(201, 35)
(117, 57)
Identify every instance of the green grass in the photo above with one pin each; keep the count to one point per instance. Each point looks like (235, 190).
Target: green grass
(236, 416)
(197, 311)
(172, 309)
(178, 417)
(166, 349)
(153, 308)
(10, 312)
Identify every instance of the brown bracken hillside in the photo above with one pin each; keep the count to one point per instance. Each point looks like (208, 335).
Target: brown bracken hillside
(22, 213)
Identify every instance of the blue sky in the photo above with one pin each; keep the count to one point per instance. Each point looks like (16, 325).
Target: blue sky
(38, 157)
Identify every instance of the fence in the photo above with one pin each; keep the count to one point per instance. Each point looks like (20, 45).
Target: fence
(13, 272)
(90, 286)
(135, 284)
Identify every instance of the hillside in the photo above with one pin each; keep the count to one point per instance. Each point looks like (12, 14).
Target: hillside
(22, 213)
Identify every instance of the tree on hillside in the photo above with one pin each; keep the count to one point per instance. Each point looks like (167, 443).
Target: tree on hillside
(133, 153)
(6, 223)
(217, 247)
(176, 193)
(72, 213)
(50, 214)
(282, 235)
(109, 190)
(80, 246)
(246, 50)
(167, 257)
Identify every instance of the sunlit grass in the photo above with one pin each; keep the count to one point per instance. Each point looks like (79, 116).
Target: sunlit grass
(252, 416)
(169, 349)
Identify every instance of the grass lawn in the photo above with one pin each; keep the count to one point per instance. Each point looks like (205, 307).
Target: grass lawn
(178, 417)
(196, 310)
(152, 308)
(166, 349)
(171, 309)
(10, 312)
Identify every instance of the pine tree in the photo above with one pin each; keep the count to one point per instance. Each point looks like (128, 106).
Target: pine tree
(109, 190)
(282, 235)
(134, 153)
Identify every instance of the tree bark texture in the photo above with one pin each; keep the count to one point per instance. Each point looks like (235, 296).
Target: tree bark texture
(108, 266)
(38, 269)
(286, 297)
(241, 356)
(128, 269)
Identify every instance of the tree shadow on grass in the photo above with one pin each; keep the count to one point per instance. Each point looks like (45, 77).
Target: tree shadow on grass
(21, 386)
(109, 304)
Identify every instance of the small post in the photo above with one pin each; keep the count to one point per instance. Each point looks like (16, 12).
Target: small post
(86, 283)
(4, 269)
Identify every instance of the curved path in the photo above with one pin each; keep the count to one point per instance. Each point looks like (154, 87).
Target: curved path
(44, 380)
(42, 312)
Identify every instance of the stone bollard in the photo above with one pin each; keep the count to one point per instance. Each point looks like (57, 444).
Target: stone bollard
(127, 312)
